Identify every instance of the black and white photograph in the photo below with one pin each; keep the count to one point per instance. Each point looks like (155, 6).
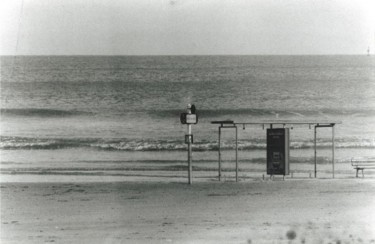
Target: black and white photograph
(187, 121)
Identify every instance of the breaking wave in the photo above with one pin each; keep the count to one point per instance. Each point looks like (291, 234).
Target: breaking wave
(14, 143)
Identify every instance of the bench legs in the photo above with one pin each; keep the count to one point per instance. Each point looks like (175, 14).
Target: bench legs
(358, 169)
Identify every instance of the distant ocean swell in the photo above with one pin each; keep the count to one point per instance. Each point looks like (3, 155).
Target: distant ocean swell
(208, 113)
(271, 112)
(14, 143)
(40, 112)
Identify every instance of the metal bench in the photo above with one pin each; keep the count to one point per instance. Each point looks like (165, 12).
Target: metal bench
(363, 163)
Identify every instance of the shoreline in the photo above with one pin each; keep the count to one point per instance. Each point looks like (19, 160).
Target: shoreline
(156, 176)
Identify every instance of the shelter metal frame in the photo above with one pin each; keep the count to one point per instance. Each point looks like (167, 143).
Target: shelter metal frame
(229, 124)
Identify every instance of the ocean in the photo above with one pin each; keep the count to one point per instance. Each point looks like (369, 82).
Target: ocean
(113, 114)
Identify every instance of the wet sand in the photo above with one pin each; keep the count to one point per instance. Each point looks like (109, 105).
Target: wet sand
(251, 211)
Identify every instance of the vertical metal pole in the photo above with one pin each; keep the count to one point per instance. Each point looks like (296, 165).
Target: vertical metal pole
(315, 151)
(333, 151)
(189, 156)
(219, 153)
(236, 154)
(189, 163)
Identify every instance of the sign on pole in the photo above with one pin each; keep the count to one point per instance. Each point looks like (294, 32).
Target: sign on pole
(189, 118)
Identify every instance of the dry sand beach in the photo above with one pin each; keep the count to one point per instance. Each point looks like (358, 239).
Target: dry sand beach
(151, 211)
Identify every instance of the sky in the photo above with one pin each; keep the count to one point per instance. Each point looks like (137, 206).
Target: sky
(186, 27)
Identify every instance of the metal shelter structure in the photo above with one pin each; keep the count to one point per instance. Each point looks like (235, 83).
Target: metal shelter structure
(229, 124)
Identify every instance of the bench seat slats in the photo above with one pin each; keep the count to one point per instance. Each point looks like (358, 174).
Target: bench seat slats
(362, 164)
(363, 160)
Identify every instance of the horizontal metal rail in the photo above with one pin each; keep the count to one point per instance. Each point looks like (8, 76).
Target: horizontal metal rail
(279, 122)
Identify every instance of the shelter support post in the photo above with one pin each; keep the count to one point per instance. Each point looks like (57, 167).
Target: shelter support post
(315, 151)
(332, 125)
(219, 147)
(219, 153)
(236, 153)
(333, 151)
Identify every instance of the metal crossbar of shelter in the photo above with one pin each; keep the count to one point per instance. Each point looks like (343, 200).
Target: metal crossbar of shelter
(271, 123)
